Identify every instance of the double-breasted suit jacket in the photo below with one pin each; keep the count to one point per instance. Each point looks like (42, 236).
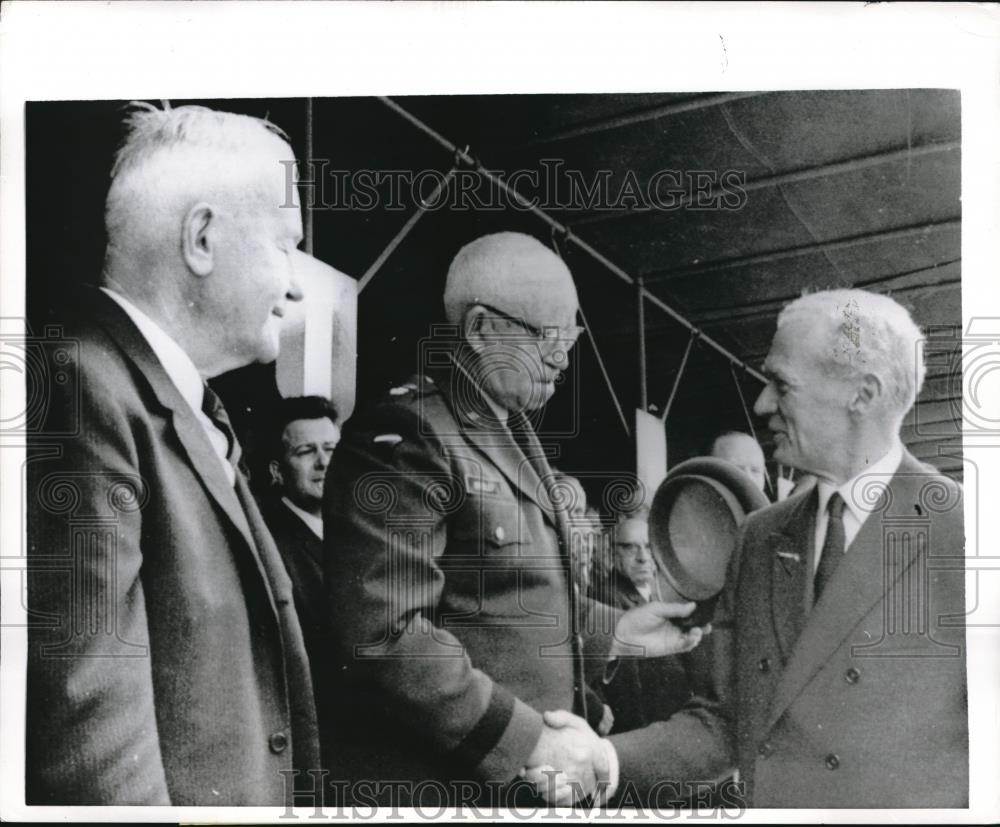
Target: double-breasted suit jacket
(450, 593)
(165, 664)
(860, 699)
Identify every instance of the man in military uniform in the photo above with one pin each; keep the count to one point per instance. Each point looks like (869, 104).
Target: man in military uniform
(451, 599)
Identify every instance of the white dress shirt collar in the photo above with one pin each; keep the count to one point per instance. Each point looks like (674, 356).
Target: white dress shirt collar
(878, 473)
(314, 523)
(858, 506)
(181, 371)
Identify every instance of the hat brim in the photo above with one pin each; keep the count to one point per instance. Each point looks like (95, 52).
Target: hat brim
(694, 523)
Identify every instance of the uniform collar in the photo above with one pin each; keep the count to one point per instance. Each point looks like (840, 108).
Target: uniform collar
(468, 410)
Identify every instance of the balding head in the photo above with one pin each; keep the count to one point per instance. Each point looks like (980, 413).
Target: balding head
(743, 451)
(515, 303)
(515, 273)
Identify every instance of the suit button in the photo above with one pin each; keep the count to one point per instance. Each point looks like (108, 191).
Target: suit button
(832, 761)
(499, 533)
(852, 675)
(764, 664)
(765, 749)
(278, 743)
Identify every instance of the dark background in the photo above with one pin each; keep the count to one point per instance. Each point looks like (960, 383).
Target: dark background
(842, 188)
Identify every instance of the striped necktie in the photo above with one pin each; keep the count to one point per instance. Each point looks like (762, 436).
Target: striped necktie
(213, 408)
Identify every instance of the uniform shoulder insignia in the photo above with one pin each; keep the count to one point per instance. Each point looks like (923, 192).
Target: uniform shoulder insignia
(420, 385)
(387, 439)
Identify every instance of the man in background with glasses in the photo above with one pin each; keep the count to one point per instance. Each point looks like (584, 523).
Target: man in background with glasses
(455, 619)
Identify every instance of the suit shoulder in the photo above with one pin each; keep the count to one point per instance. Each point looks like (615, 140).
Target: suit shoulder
(767, 519)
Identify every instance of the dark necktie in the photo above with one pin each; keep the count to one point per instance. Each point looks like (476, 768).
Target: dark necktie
(527, 441)
(213, 408)
(833, 546)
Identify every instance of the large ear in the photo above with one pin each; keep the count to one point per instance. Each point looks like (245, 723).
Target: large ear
(868, 395)
(472, 327)
(198, 239)
(275, 468)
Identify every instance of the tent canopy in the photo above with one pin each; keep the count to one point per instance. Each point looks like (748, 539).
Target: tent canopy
(725, 205)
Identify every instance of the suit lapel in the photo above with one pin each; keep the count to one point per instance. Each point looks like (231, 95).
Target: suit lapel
(861, 581)
(189, 431)
(790, 563)
(494, 440)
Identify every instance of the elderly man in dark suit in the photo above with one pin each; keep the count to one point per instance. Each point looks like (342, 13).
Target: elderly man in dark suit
(166, 664)
(449, 572)
(849, 670)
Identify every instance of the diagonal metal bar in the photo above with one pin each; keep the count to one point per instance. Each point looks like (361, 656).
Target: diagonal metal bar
(411, 222)
(680, 373)
(597, 353)
(604, 372)
(463, 156)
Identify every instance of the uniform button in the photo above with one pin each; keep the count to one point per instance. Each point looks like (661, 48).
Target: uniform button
(852, 675)
(499, 533)
(765, 749)
(278, 742)
(764, 665)
(832, 761)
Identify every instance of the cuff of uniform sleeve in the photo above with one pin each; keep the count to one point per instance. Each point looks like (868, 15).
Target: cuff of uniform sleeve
(504, 738)
(614, 773)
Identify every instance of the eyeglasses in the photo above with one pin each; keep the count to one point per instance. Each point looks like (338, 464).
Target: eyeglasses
(570, 333)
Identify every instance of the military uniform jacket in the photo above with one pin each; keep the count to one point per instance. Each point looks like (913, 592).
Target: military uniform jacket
(165, 660)
(860, 699)
(450, 593)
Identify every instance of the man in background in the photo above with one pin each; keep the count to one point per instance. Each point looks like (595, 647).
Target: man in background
(166, 664)
(650, 689)
(743, 451)
(304, 436)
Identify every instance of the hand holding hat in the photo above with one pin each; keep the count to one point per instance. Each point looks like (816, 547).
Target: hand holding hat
(694, 525)
(649, 631)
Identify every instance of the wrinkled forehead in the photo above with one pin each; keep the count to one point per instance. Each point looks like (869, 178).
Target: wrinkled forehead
(544, 299)
(523, 279)
(633, 530)
(797, 344)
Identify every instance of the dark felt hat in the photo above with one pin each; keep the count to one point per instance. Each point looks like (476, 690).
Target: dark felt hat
(694, 522)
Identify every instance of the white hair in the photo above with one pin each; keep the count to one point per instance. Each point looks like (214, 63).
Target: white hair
(866, 333)
(166, 150)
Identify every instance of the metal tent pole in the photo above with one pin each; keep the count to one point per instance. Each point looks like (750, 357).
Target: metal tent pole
(466, 157)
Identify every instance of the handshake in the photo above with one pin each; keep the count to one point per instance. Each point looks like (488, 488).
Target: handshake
(570, 762)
